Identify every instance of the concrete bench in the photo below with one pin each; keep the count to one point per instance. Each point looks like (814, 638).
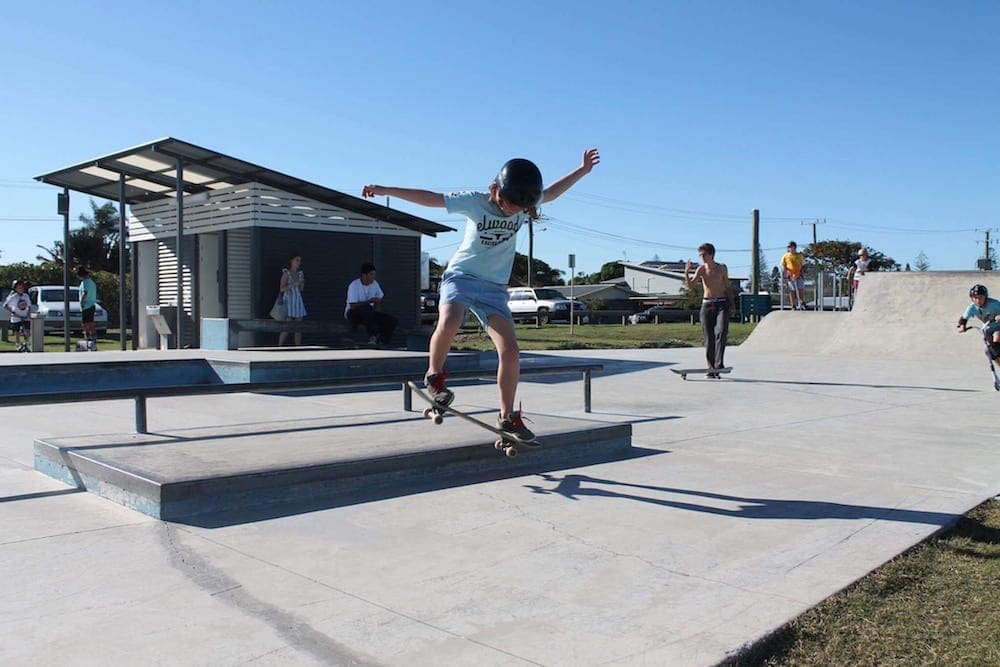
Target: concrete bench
(223, 333)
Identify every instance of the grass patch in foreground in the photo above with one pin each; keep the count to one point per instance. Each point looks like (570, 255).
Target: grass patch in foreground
(600, 336)
(938, 604)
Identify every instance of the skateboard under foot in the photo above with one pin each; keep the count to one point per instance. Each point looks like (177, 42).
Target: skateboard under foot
(505, 442)
(684, 372)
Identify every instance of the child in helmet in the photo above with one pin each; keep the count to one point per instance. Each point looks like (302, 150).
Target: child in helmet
(477, 275)
(988, 312)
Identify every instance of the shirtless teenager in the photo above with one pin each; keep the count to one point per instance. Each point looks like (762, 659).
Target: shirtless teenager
(717, 306)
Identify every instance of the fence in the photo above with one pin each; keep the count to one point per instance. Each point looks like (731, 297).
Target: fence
(825, 290)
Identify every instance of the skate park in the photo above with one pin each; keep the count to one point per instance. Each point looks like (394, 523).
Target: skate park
(840, 440)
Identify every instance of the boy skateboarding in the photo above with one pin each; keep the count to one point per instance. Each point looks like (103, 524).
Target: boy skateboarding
(717, 306)
(987, 310)
(476, 276)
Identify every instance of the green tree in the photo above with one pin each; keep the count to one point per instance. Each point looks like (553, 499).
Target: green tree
(774, 282)
(764, 269)
(96, 245)
(837, 256)
(544, 274)
(921, 262)
(691, 296)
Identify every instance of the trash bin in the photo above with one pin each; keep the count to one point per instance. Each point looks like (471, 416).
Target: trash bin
(754, 304)
(37, 333)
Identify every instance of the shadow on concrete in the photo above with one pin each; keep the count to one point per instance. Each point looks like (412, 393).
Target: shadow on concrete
(575, 487)
(224, 519)
(812, 383)
(279, 428)
(40, 494)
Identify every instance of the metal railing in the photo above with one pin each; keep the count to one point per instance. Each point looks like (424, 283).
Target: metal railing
(824, 290)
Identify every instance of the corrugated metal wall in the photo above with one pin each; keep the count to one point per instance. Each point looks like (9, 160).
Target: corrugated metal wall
(166, 250)
(239, 292)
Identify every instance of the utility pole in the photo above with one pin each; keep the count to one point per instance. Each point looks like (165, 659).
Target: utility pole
(986, 263)
(755, 256)
(814, 223)
(531, 251)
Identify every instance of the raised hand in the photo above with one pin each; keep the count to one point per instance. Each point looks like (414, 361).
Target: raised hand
(591, 158)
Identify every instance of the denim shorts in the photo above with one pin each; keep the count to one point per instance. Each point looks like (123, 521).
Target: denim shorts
(482, 297)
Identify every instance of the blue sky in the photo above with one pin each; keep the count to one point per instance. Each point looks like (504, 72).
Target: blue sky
(879, 117)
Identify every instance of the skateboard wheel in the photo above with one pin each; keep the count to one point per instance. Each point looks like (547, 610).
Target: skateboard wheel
(438, 418)
(510, 451)
(498, 445)
(427, 413)
(684, 376)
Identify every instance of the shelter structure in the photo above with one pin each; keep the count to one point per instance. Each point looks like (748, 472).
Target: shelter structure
(210, 233)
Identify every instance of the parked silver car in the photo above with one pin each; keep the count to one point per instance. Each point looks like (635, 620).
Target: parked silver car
(48, 300)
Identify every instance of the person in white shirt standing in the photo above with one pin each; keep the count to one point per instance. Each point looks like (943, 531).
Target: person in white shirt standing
(364, 302)
(19, 306)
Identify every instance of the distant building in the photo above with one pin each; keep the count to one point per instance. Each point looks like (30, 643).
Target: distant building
(662, 283)
(610, 295)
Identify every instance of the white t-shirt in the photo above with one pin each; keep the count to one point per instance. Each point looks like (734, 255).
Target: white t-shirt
(860, 267)
(20, 304)
(358, 292)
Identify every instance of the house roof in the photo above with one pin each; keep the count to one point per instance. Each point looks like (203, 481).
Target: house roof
(150, 173)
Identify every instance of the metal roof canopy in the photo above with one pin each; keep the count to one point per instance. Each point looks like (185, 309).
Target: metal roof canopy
(150, 172)
(169, 167)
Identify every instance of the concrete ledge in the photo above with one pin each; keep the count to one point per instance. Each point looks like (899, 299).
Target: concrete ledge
(184, 475)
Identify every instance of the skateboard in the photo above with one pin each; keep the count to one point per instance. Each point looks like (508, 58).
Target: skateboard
(684, 372)
(505, 442)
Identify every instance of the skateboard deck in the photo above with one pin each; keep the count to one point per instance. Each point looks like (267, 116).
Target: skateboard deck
(505, 442)
(684, 372)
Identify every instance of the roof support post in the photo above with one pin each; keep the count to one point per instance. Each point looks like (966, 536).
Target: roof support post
(122, 295)
(178, 328)
(67, 254)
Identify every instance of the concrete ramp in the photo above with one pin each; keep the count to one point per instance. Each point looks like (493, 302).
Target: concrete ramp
(897, 315)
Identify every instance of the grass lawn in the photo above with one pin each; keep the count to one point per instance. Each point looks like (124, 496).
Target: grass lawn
(938, 604)
(55, 343)
(600, 336)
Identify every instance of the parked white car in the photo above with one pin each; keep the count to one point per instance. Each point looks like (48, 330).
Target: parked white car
(48, 301)
(545, 303)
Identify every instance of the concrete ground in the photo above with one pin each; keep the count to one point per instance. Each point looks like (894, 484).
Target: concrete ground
(750, 500)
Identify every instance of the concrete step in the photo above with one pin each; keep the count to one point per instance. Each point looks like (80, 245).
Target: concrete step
(240, 473)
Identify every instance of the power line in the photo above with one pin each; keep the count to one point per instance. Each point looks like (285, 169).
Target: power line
(585, 231)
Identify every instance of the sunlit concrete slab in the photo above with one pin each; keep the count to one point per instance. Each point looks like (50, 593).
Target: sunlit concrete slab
(182, 474)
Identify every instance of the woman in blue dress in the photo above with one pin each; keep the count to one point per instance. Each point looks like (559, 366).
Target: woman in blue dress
(292, 284)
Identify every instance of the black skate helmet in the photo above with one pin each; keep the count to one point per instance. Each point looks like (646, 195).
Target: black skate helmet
(520, 183)
(979, 290)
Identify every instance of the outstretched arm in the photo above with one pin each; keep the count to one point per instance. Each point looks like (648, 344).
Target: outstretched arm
(421, 197)
(591, 159)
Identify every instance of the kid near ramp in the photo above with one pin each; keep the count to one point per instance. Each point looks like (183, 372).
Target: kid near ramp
(476, 276)
(987, 311)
